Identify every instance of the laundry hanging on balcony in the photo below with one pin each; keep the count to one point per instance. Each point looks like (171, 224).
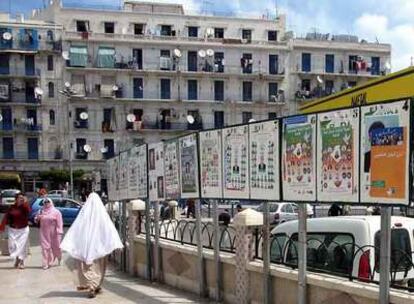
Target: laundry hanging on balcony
(78, 56)
(106, 58)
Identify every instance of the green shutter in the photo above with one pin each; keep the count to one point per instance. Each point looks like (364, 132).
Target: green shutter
(106, 58)
(78, 56)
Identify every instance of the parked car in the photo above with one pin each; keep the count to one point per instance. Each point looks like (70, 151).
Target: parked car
(280, 212)
(68, 207)
(348, 245)
(7, 198)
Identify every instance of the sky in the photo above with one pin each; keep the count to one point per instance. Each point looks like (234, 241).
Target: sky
(386, 21)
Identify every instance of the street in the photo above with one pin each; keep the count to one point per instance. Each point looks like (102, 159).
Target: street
(58, 284)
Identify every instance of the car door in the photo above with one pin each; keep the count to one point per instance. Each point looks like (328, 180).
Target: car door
(72, 210)
(59, 205)
(287, 212)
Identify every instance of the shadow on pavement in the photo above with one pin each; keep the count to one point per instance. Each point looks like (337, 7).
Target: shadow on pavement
(64, 294)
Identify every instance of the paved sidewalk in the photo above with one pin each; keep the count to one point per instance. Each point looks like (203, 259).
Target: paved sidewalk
(57, 285)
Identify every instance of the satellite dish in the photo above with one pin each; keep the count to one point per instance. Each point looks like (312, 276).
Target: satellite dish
(210, 31)
(65, 55)
(1, 117)
(67, 84)
(319, 79)
(38, 91)
(252, 120)
(210, 53)
(83, 116)
(104, 149)
(7, 36)
(115, 88)
(202, 53)
(87, 148)
(177, 53)
(190, 119)
(130, 117)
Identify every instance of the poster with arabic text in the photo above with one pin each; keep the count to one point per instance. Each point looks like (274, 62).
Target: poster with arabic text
(189, 166)
(137, 176)
(156, 172)
(171, 170)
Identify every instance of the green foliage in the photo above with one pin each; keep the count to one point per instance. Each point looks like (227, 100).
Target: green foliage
(61, 176)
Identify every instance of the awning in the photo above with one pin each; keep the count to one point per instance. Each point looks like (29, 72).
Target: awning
(78, 56)
(106, 58)
(11, 176)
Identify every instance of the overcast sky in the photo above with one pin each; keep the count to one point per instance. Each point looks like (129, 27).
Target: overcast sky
(389, 21)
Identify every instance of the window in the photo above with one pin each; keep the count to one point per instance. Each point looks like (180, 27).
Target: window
(273, 88)
(247, 35)
(247, 91)
(138, 29)
(7, 122)
(272, 115)
(137, 59)
(110, 148)
(329, 63)
(353, 64)
(107, 120)
(79, 122)
(192, 90)
(33, 148)
(219, 32)
(375, 65)
(192, 61)
(31, 115)
(218, 119)
(246, 116)
(4, 64)
(197, 124)
(52, 119)
(328, 252)
(8, 148)
(166, 30)
(272, 35)
(219, 62)
(138, 88)
(138, 118)
(109, 27)
(306, 85)
(247, 63)
(165, 89)
(82, 26)
(50, 62)
(50, 36)
(192, 31)
(165, 60)
(400, 250)
(80, 151)
(329, 87)
(287, 208)
(352, 84)
(29, 64)
(306, 62)
(51, 89)
(273, 64)
(219, 90)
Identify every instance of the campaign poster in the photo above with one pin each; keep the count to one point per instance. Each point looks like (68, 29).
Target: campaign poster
(123, 175)
(156, 171)
(338, 156)
(112, 178)
(189, 166)
(385, 137)
(264, 160)
(236, 162)
(298, 158)
(171, 170)
(211, 164)
(137, 176)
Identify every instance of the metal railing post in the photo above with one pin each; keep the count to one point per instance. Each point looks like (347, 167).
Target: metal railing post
(385, 255)
(266, 255)
(148, 240)
(217, 237)
(199, 238)
(302, 262)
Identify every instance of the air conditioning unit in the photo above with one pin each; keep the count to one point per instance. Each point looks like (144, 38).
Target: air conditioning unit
(165, 63)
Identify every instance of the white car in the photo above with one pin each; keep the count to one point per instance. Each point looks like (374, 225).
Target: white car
(62, 193)
(280, 212)
(348, 245)
(8, 197)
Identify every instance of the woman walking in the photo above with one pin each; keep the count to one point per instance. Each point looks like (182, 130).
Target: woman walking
(17, 218)
(89, 240)
(51, 230)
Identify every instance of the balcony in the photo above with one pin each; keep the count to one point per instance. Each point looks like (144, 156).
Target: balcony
(107, 127)
(28, 127)
(6, 126)
(25, 46)
(19, 73)
(143, 126)
(80, 124)
(81, 155)
(30, 155)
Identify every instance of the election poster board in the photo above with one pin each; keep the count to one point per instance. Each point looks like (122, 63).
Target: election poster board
(298, 158)
(338, 156)
(123, 175)
(137, 176)
(211, 164)
(236, 162)
(156, 172)
(189, 166)
(264, 160)
(171, 170)
(112, 178)
(385, 141)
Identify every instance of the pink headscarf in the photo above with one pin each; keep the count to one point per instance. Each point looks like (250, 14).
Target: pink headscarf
(49, 208)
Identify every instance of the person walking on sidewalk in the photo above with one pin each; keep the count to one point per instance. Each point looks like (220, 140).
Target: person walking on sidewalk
(51, 230)
(90, 239)
(17, 218)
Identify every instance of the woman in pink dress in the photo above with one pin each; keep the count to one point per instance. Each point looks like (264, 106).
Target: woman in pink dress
(51, 230)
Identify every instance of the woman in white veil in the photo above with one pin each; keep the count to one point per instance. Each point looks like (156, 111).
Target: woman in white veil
(89, 240)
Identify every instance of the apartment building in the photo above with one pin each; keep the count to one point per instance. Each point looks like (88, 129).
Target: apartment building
(149, 71)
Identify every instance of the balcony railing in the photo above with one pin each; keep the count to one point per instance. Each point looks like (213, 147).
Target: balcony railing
(139, 126)
(80, 124)
(34, 45)
(22, 126)
(19, 72)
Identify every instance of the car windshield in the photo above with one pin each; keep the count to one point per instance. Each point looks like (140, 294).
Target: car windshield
(9, 193)
(272, 207)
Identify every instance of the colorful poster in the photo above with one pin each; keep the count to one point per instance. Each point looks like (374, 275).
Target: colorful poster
(123, 176)
(338, 156)
(385, 136)
(171, 170)
(156, 171)
(298, 158)
(264, 160)
(137, 176)
(112, 178)
(236, 162)
(211, 164)
(189, 166)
